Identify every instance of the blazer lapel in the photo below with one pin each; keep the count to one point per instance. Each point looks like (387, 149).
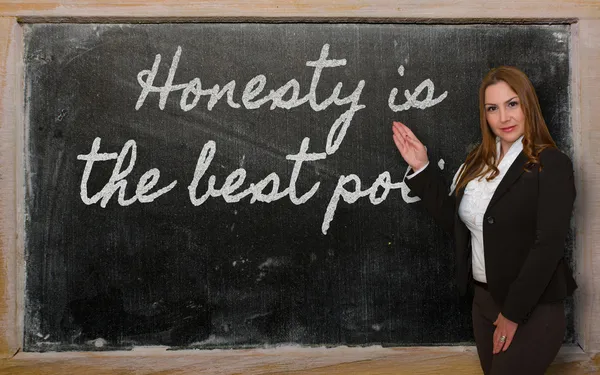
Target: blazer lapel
(513, 173)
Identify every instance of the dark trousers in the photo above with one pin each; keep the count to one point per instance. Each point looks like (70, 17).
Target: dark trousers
(534, 345)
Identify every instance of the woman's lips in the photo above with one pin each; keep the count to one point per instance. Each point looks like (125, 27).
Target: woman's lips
(509, 129)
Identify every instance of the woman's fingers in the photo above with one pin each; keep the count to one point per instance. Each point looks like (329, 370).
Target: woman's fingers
(396, 131)
(415, 144)
(496, 343)
(402, 135)
(502, 341)
(503, 334)
(399, 129)
(397, 124)
(509, 338)
(400, 144)
(406, 150)
(411, 149)
(409, 135)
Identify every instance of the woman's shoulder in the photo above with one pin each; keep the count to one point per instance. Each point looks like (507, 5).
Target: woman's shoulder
(555, 158)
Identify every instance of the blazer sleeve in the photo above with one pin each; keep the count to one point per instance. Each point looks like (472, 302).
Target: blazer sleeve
(556, 195)
(430, 186)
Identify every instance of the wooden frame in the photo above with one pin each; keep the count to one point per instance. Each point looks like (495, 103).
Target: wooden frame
(583, 14)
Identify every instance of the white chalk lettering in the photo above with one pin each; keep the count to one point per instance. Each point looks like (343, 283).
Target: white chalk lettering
(206, 156)
(333, 142)
(256, 93)
(411, 99)
(257, 189)
(231, 184)
(277, 96)
(254, 89)
(147, 182)
(217, 94)
(350, 196)
(117, 180)
(235, 180)
(299, 158)
(194, 87)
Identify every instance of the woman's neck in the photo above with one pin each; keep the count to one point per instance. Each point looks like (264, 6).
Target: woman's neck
(504, 147)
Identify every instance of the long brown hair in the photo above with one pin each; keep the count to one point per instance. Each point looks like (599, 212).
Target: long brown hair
(536, 137)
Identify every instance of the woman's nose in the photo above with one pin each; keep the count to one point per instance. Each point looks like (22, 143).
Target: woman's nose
(503, 115)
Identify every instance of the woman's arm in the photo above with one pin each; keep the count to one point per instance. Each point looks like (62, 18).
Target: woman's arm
(427, 183)
(430, 186)
(556, 195)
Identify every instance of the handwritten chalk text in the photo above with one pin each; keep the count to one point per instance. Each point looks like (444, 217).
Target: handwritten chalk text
(236, 178)
(254, 95)
(254, 88)
(411, 99)
(266, 190)
(117, 180)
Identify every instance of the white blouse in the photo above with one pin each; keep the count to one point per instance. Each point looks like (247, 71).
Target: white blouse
(477, 197)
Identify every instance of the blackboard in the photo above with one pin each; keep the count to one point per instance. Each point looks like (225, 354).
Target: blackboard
(304, 235)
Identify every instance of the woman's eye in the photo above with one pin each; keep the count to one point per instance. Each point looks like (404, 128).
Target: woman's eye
(491, 108)
(513, 104)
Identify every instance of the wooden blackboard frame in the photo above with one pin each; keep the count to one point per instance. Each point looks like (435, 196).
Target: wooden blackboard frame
(585, 83)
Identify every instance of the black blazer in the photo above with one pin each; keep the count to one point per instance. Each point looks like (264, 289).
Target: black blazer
(524, 232)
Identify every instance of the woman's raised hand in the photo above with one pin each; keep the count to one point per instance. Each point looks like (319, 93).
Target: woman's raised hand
(411, 149)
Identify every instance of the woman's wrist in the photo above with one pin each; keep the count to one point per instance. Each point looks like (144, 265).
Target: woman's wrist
(416, 171)
(420, 166)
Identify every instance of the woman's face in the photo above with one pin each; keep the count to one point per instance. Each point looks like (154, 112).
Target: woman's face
(504, 113)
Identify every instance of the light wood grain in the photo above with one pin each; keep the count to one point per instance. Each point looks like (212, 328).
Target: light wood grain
(588, 203)
(313, 361)
(9, 320)
(454, 360)
(381, 9)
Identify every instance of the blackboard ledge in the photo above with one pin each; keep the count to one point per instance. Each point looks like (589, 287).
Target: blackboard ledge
(306, 360)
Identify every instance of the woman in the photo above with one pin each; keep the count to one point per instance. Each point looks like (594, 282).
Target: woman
(509, 214)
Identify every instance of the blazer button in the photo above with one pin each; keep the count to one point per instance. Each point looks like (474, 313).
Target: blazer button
(490, 220)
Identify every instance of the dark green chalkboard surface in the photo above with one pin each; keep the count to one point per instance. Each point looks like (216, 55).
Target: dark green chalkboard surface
(236, 185)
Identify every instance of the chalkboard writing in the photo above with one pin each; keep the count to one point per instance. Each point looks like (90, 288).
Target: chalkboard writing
(233, 185)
